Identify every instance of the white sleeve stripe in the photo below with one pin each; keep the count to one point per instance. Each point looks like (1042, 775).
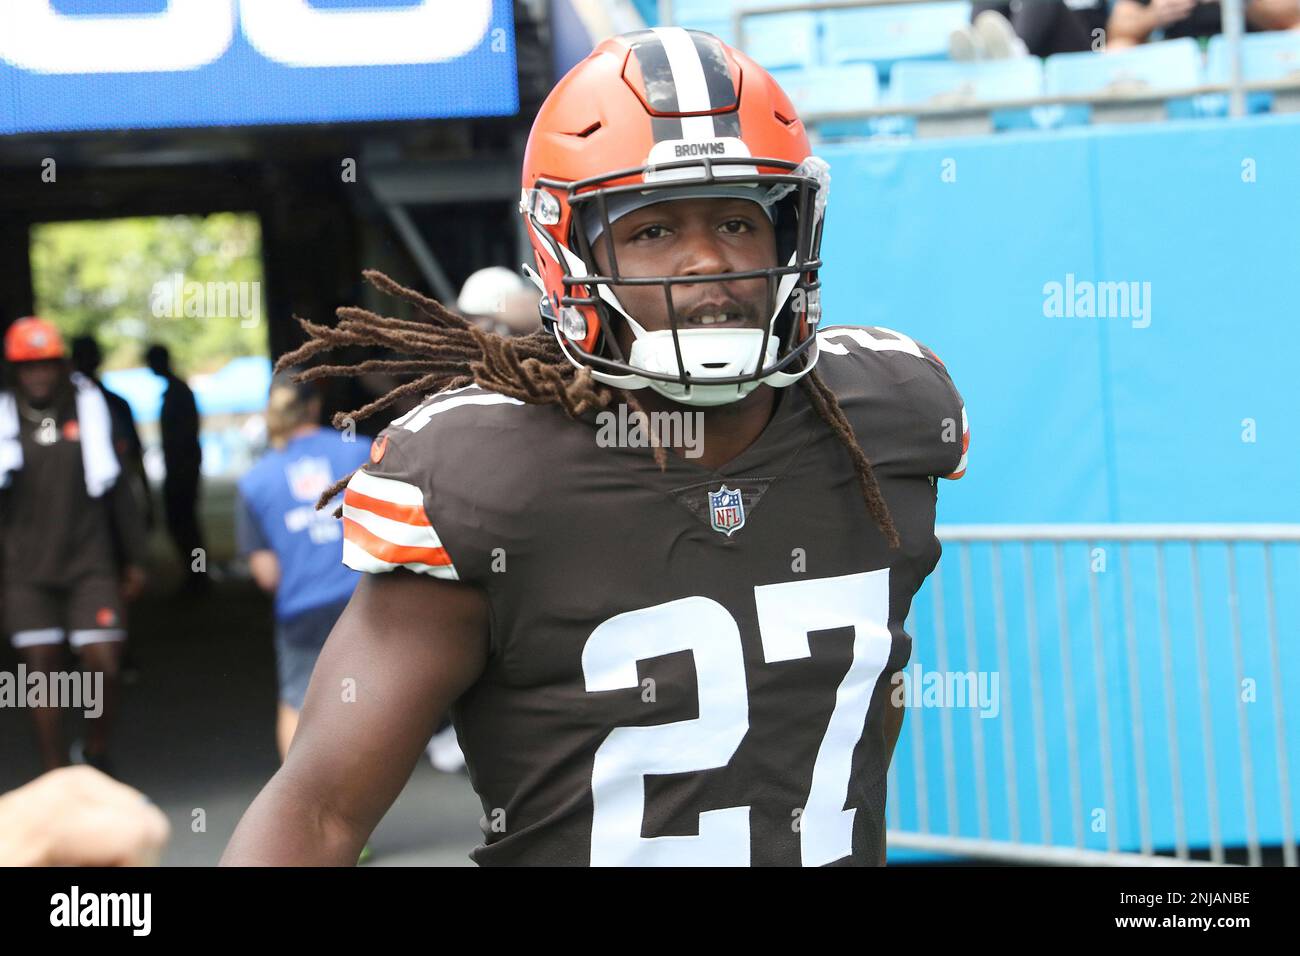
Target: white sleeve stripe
(435, 407)
(406, 416)
(359, 559)
(386, 489)
(394, 532)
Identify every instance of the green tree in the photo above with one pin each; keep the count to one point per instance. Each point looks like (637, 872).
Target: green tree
(103, 277)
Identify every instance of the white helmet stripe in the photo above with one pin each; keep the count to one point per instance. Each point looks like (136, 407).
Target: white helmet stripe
(688, 77)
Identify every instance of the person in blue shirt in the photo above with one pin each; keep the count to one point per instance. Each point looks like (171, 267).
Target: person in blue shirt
(294, 551)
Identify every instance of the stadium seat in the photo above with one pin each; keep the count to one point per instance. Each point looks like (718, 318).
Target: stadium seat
(834, 89)
(948, 83)
(831, 89)
(763, 33)
(1167, 65)
(781, 40)
(885, 35)
(1264, 57)
(1155, 66)
(932, 82)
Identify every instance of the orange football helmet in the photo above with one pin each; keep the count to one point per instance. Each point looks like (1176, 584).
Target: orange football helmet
(661, 114)
(33, 340)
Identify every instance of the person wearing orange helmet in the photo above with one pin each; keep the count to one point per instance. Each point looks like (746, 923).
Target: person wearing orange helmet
(73, 537)
(661, 652)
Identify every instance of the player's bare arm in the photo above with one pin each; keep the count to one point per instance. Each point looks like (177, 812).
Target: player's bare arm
(406, 647)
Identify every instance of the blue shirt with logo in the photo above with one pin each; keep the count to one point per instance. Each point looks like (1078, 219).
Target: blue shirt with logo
(277, 512)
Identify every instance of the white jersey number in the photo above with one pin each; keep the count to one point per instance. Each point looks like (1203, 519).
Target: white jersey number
(786, 614)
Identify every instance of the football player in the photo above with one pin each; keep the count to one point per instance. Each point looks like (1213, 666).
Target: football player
(664, 655)
(72, 537)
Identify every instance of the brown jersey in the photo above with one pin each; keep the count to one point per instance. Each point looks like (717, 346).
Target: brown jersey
(687, 666)
(54, 534)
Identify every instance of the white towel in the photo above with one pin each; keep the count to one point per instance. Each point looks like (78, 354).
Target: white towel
(98, 459)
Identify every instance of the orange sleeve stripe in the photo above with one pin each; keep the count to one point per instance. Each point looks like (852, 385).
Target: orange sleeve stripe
(407, 514)
(377, 547)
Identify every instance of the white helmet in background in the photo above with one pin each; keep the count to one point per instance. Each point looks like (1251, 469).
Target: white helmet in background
(499, 300)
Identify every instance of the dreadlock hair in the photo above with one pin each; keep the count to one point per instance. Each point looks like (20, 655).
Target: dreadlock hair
(447, 351)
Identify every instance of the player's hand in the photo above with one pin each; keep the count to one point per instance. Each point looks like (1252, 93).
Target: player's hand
(133, 579)
(77, 816)
(1171, 11)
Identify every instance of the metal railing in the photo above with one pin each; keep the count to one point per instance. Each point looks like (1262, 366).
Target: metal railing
(1130, 647)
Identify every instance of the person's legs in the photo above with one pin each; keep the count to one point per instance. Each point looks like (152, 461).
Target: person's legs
(102, 658)
(33, 617)
(1000, 6)
(46, 658)
(174, 515)
(97, 632)
(180, 505)
(1036, 21)
(298, 643)
(966, 44)
(1051, 26)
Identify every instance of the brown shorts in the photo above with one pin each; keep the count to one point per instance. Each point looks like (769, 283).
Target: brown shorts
(87, 611)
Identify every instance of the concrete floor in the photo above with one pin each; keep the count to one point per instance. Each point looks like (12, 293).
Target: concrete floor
(196, 732)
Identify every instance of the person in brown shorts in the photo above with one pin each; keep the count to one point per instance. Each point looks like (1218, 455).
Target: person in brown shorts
(73, 537)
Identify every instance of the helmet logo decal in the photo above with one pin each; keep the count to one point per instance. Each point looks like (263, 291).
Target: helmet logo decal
(676, 150)
(715, 148)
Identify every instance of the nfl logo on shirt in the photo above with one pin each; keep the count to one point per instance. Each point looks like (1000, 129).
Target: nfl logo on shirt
(727, 510)
(308, 477)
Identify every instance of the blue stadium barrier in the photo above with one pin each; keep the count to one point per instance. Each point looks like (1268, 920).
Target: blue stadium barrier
(1181, 415)
(1118, 722)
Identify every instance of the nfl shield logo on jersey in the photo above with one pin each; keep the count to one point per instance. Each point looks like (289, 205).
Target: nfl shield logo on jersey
(727, 510)
(308, 477)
